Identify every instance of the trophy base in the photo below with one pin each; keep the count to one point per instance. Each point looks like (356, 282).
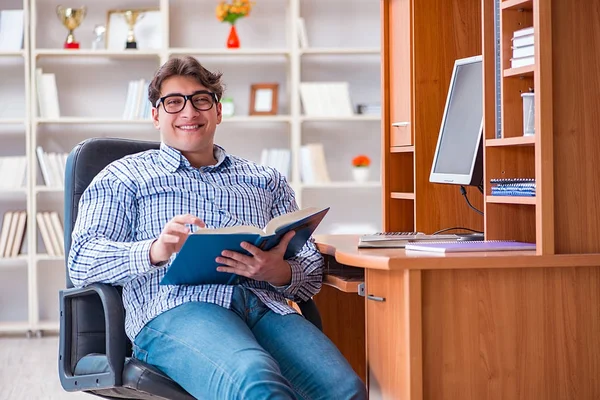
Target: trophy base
(73, 45)
(131, 45)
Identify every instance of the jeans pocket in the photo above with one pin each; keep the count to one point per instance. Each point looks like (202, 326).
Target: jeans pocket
(140, 353)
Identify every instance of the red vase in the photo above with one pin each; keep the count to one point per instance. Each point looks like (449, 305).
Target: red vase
(233, 41)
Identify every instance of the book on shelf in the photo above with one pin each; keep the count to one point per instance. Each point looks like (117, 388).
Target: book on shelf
(522, 41)
(326, 99)
(47, 94)
(13, 172)
(302, 37)
(137, 105)
(52, 232)
(470, 246)
(521, 52)
(522, 62)
(398, 240)
(52, 166)
(313, 164)
(513, 187)
(280, 159)
(14, 224)
(12, 23)
(195, 263)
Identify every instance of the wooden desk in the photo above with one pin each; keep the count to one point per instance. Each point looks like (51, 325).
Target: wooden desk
(502, 325)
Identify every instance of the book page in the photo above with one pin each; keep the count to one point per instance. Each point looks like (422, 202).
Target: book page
(230, 229)
(285, 219)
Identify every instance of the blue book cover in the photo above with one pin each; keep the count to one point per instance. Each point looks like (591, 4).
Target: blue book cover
(195, 263)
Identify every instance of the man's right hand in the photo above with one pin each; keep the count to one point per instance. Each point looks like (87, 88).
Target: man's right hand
(172, 237)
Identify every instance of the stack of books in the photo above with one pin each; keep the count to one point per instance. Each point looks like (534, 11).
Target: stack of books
(513, 187)
(522, 48)
(398, 240)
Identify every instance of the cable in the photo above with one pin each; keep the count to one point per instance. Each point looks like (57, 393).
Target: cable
(456, 227)
(463, 191)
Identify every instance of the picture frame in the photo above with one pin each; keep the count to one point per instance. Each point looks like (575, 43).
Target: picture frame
(147, 31)
(264, 98)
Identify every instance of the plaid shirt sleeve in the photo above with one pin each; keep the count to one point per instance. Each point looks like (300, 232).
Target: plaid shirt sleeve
(102, 247)
(307, 265)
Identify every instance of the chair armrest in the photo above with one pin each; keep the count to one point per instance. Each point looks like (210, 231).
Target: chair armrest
(115, 340)
(311, 312)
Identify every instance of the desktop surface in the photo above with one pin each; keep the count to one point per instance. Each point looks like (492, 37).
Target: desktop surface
(344, 249)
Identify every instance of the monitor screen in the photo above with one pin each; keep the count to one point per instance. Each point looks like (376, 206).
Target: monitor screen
(458, 156)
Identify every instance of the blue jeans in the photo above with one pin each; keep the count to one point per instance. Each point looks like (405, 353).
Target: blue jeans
(248, 352)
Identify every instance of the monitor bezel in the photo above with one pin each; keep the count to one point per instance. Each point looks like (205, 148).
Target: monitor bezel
(470, 178)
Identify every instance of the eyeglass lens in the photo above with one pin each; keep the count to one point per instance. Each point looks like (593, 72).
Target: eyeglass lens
(201, 102)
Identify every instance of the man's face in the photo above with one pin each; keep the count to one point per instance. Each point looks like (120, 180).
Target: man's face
(189, 130)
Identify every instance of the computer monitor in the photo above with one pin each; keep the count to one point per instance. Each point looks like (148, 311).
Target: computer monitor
(459, 153)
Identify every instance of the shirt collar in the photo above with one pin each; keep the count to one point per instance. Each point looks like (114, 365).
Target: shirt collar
(172, 159)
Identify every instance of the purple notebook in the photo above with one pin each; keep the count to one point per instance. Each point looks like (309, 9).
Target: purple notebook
(482, 245)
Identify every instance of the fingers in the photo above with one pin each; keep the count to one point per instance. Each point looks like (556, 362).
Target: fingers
(188, 219)
(285, 240)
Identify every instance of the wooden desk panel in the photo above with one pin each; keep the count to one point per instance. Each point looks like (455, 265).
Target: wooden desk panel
(461, 330)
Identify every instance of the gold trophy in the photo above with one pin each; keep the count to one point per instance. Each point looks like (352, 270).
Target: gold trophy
(71, 18)
(131, 17)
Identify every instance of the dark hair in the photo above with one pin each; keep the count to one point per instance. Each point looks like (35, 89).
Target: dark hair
(184, 66)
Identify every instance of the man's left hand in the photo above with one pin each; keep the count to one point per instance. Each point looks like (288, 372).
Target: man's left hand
(268, 266)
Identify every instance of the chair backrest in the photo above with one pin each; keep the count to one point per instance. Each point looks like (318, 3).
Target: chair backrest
(85, 161)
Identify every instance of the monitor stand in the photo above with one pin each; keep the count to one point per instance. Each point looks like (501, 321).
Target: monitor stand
(470, 236)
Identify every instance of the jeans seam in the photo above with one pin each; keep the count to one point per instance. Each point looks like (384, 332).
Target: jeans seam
(231, 380)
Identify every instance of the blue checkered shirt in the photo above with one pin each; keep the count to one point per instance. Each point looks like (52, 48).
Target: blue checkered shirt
(126, 206)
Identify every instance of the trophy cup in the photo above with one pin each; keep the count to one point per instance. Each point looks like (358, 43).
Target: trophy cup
(131, 17)
(98, 43)
(71, 18)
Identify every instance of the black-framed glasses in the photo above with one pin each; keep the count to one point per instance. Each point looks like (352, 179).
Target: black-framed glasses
(202, 100)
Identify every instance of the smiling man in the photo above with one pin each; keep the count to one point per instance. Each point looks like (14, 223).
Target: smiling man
(240, 341)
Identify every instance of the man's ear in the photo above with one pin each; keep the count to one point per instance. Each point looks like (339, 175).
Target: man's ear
(219, 112)
(155, 117)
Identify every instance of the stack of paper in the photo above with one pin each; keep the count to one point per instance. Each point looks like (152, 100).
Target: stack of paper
(522, 48)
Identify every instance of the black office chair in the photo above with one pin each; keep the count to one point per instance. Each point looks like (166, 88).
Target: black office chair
(95, 353)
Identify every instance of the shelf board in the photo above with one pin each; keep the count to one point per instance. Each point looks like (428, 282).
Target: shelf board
(344, 284)
(513, 141)
(350, 118)
(402, 149)
(20, 260)
(402, 196)
(253, 118)
(48, 325)
(49, 189)
(517, 5)
(12, 121)
(12, 192)
(230, 52)
(510, 200)
(14, 326)
(340, 51)
(16, 53)
(96, 53)
(48, 257)
(341, 185)
(519, 72)
(88, 120)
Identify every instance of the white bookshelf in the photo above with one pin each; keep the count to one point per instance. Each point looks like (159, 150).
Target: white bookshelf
(92, 86)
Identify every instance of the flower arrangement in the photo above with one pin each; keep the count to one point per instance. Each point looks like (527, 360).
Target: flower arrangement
(231, 12)
(361, 161)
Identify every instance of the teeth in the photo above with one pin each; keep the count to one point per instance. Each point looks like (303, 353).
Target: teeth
(189, 127)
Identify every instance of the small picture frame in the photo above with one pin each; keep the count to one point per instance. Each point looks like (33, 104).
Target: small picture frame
(264, 99)
(147, 30)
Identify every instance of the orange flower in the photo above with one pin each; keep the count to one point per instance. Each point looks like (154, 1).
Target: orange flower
(233, 10)
(361, 161)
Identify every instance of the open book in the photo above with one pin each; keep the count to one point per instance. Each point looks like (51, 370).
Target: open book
(195, 263)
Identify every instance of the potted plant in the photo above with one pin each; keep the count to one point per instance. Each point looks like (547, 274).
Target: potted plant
(230, 12)
(360, 170)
